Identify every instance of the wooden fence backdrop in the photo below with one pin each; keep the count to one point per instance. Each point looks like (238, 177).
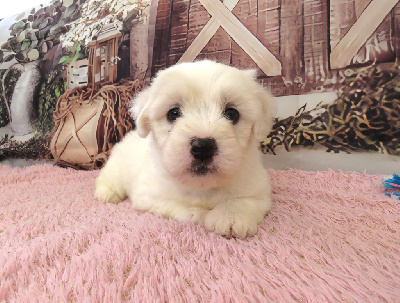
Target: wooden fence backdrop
(297, 46)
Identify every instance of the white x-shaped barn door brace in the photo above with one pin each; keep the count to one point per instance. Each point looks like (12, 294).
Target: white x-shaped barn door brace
(221, 15)
(362, 29)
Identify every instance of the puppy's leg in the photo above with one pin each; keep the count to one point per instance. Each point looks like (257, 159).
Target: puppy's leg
(192, 214)
(105, 191)
(237, 218)
(110, 182)
(174, 209)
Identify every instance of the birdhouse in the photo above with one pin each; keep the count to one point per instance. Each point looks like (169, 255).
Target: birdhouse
(103, 56)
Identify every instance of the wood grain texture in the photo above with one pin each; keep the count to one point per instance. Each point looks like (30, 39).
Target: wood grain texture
(363, 28)
(316, 67)
(292, 42)
(205, 35)
(162, 35)
(265, 60)
(297, 34)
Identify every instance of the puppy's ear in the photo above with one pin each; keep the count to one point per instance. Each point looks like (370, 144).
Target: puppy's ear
(139, 111)
(267, 108)
(264, 122)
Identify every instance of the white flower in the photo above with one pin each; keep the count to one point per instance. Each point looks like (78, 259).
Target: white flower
(113, 11)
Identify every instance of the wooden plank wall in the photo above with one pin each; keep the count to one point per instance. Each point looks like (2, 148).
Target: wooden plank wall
(316, 45)
(292, 41)
(379, 46)
(247, 13)
(294, 31)
(162, 35)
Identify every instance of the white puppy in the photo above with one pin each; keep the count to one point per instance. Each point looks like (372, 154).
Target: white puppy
(194, 155)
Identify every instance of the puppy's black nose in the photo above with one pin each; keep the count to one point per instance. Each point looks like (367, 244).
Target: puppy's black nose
(203, 149)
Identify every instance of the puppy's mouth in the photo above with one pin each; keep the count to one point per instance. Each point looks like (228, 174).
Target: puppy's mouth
(202, 168)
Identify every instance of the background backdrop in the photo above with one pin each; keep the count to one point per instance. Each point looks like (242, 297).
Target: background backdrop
(70, 68)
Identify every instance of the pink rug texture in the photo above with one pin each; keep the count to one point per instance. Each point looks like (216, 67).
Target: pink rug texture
(331, 237)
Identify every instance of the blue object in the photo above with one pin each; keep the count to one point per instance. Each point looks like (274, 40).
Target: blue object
(392, 186)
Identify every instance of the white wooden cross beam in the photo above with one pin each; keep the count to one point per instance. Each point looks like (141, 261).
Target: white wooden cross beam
(222, 16)
(358, 34)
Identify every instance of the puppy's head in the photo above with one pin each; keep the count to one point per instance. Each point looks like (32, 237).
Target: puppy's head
(203, 118)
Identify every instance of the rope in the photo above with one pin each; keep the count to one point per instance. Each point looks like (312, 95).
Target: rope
(114, 121)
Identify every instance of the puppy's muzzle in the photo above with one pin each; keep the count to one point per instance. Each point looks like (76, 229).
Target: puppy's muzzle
(203, 149)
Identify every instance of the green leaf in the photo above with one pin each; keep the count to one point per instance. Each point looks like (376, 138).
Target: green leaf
(18, 25)
(25, 44)
(68, 3)
(77, 57)
(57, 92)
(33, 54)
(21, 36)
(64, 60)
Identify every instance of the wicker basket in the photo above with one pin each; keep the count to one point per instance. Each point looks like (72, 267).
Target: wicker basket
(89, 123)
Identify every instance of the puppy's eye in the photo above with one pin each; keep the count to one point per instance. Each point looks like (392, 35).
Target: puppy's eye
(173, 114)
(232, 114)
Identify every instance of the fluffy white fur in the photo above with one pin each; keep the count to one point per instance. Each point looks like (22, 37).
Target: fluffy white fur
(153, 165)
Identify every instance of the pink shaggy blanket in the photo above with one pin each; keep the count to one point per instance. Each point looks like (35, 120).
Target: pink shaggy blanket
(330, 237)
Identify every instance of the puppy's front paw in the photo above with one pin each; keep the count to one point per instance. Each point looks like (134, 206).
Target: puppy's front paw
(192, 214)
(230, 223)
(105, 193)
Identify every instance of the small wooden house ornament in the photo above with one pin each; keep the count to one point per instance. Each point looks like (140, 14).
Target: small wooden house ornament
(103, 56)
